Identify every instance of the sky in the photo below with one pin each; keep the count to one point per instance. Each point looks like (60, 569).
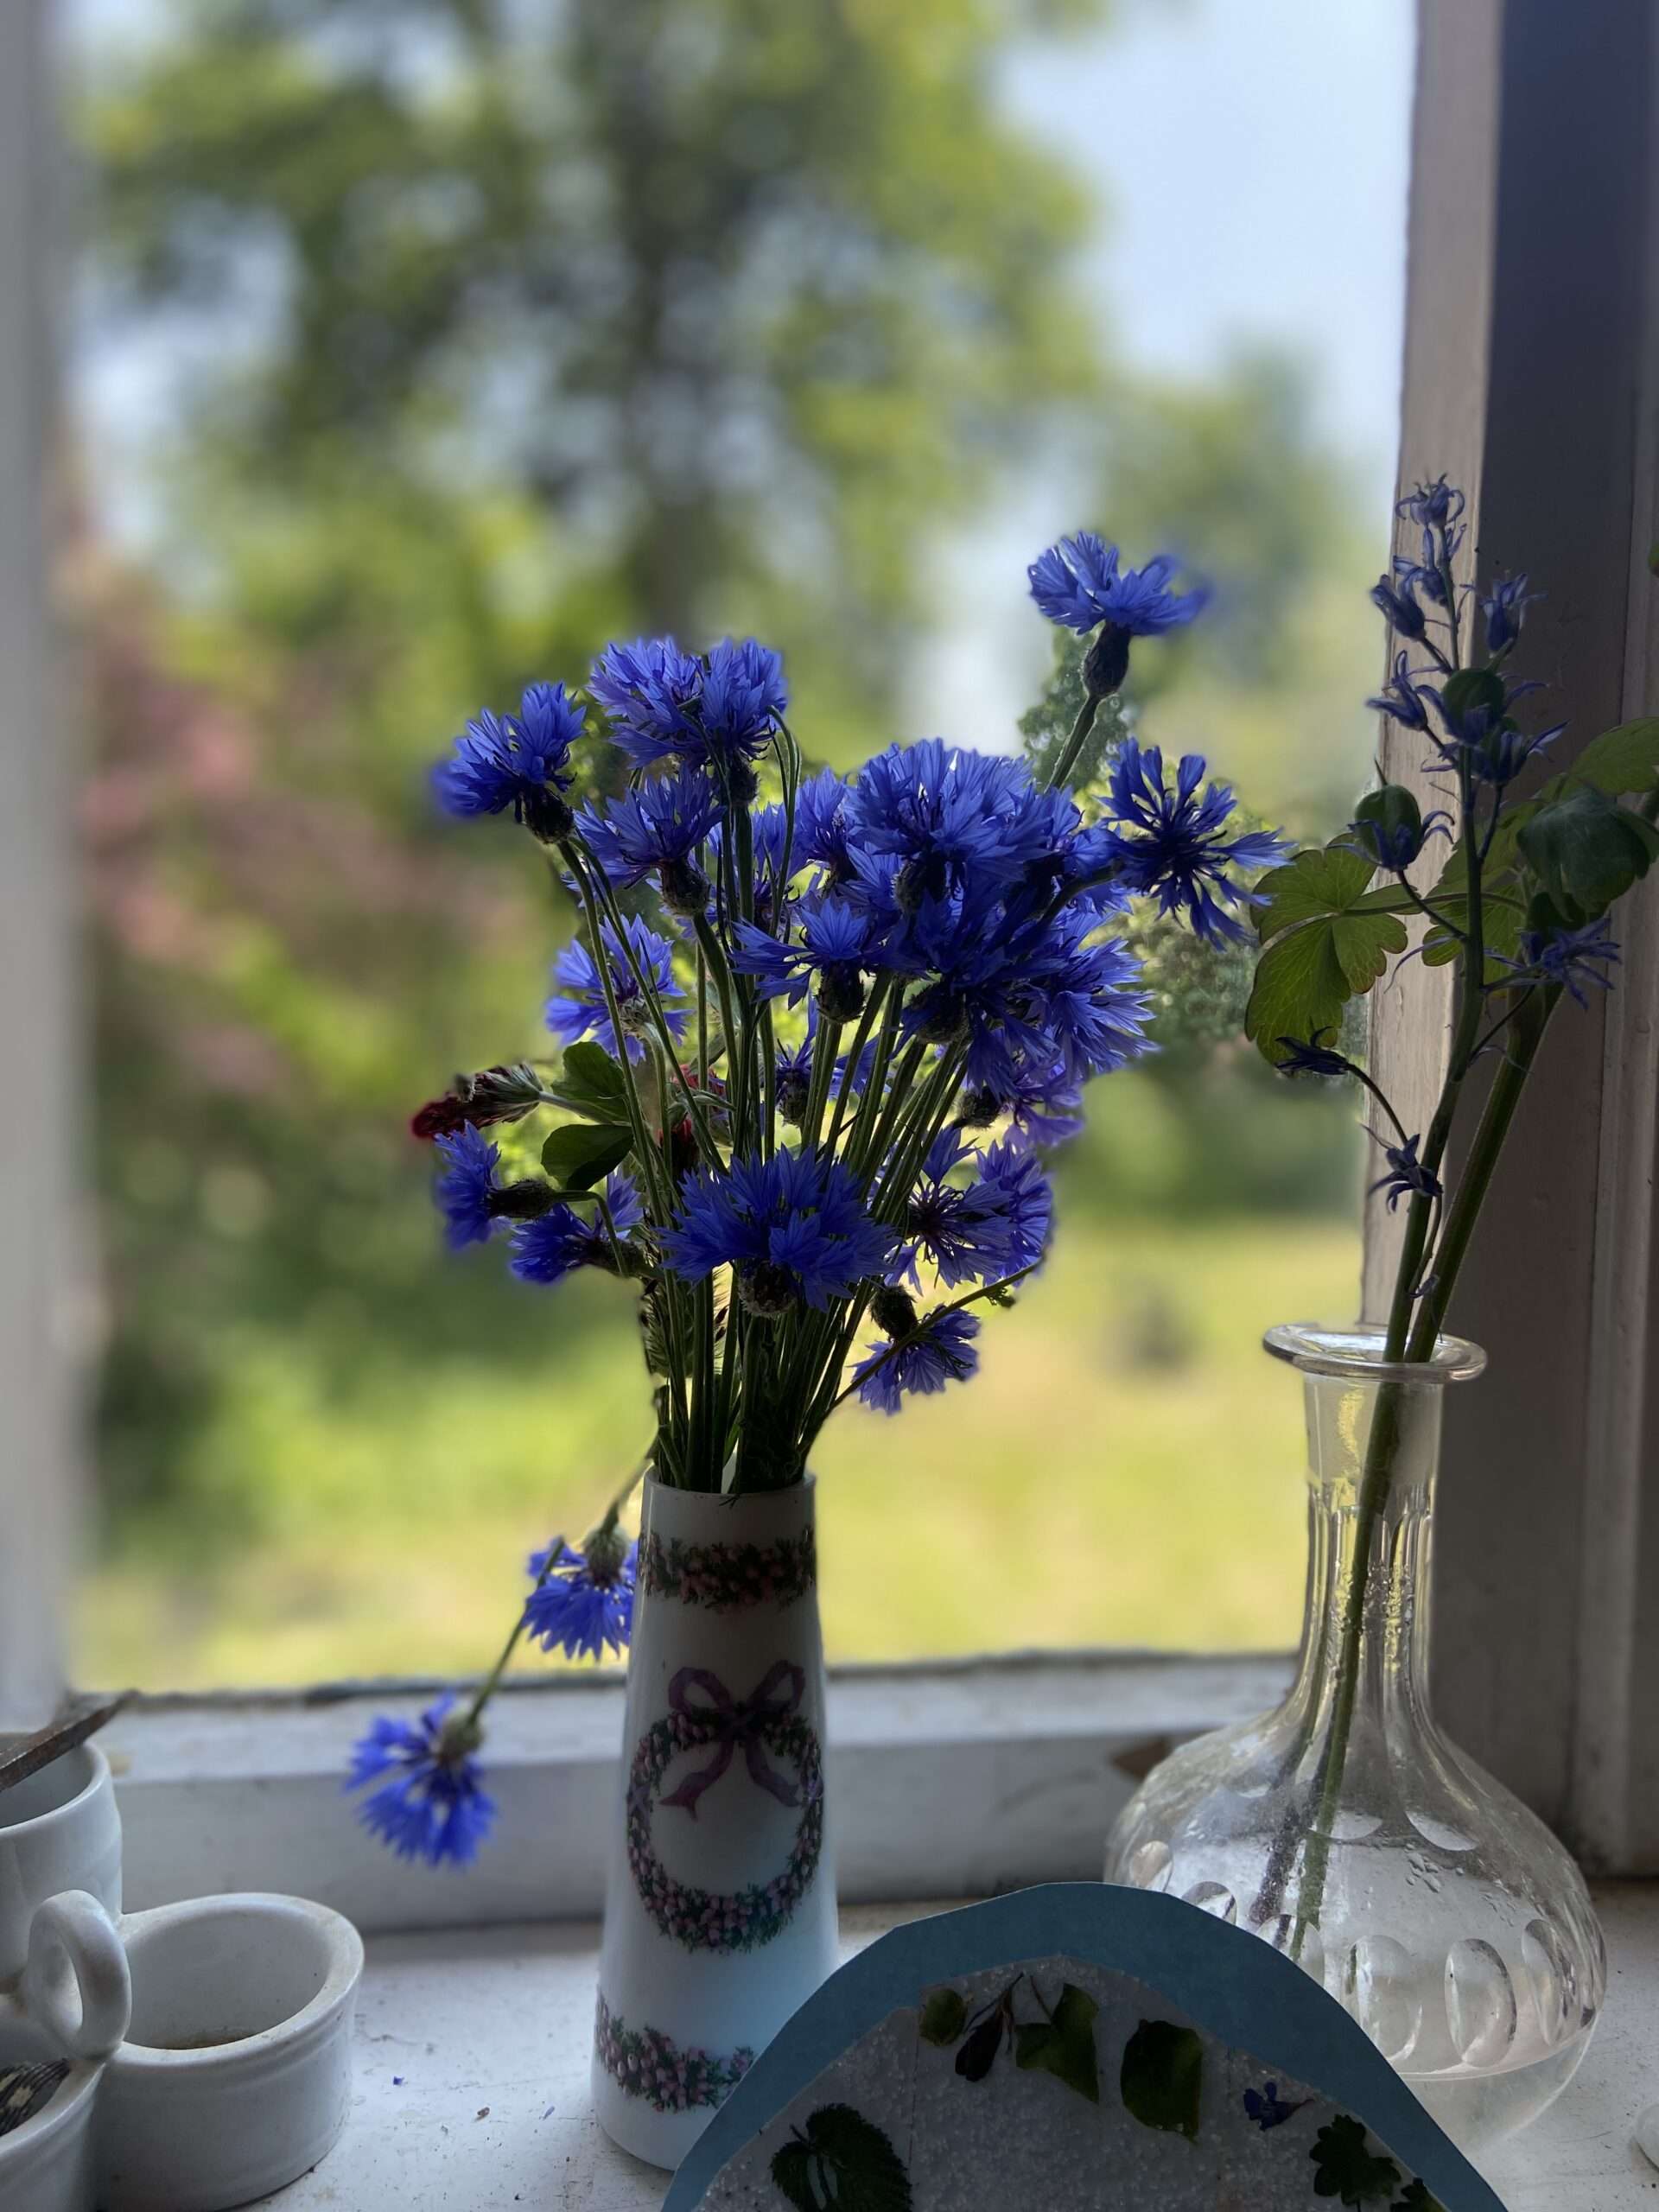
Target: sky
(1251, 157)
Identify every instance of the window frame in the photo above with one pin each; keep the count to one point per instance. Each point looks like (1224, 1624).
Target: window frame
(956, 1779)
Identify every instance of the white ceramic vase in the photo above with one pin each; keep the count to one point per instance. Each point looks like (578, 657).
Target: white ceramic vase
(721, 1904)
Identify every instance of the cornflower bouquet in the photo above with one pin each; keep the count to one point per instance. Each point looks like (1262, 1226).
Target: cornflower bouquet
(817, 1035)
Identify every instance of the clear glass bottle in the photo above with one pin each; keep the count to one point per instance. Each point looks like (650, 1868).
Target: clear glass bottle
(1345, 1828)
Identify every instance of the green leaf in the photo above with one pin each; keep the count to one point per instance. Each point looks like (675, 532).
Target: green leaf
(1586, 850)
(841, 2159)
(1162, 2076)
(1065, 2045)
(578, 1156)
(1620, 760)
(1347, 2167)
(1505, 916)
(1331, 938)
(594, 1083)
(944, 2018)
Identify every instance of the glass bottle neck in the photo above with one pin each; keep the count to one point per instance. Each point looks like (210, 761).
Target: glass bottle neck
(1392, 1538)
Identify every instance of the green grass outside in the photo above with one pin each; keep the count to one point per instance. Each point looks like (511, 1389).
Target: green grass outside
(1125, 1470)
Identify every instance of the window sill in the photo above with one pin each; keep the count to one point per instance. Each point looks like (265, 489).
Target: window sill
(472, 2080)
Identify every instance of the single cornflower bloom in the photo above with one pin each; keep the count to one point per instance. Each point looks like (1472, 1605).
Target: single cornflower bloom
(793, 1228)
(657, 828)
(821, 830)
(719, 710)
(1171, 843)
(1503, 609)
(520, 761)
(583, 1603)
(1407, 1177)
(583, 1011)
(1078, 584)
(941, 1350)
(567, 1237)
(946, 816)
(467, 1191)
(435, 1807)
(834, 943)
(1044, 1103)
(1569, 959)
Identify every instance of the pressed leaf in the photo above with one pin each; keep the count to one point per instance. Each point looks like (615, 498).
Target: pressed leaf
(944, 2015)
(1349, 2169)
(1417, 2199)
(843, 2159)
(579, 1156)
(978, 2053)
(1162, 2077)
(1065, 2045)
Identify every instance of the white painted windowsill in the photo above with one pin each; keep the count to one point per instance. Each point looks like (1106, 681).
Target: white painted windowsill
(471, 2088)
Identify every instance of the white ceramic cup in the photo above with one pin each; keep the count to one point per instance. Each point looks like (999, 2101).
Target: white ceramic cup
(49, 2164)
(235, 2076)
(59, 1830)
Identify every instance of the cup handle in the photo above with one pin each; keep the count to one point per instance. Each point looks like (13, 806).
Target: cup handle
(77, 1985)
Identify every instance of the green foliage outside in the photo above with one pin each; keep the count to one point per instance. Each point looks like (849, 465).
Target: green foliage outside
(514, 331)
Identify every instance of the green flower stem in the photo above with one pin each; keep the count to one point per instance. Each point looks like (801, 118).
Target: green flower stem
(714, 954)
(1075, 743)
(654, 1006)
(877, 993)
(823, 1068)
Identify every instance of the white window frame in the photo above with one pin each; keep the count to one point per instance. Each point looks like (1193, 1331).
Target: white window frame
(953, 1780)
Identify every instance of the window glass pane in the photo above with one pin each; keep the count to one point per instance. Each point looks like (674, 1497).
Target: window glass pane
(422, 348)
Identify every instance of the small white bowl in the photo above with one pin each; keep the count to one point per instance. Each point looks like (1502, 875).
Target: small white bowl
(235, 2076)
(47, 2164)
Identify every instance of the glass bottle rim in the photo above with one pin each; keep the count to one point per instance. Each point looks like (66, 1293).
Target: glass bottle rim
(1356, 1354)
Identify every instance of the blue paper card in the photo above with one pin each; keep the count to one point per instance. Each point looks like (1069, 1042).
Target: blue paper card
(1078, 2047)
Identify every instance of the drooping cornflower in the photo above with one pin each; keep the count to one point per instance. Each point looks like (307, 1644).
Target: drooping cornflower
(519, 761)
(1078, 584)
(656, 826)
(1407, 1176)
(834, 943)
(583, 1011)
(941, 1350)
(717, 710)
(435, 1807)
(583, 1603)
(793, 1228)
(566, 1236)
(465, 1191)
(1171, 843)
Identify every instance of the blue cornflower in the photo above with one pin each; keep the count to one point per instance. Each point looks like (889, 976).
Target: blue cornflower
(519, 761)
(583, 1602)
(1170, 843)
(1399, 605)
(1268, 2108)
(550, 1248)
(945, 814)
(941, 1351)
(435, 1808)
(1504, 608)
(1401, 700)
(1077, 583)
(983, 1231)
(1568, 958)
(1407, 1177)
(658, 825)
(793, 1227)
(1044, 1104)
(821, 831)
(717, 710)
(585, 1011)
(838, 942)
(465, 1191)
